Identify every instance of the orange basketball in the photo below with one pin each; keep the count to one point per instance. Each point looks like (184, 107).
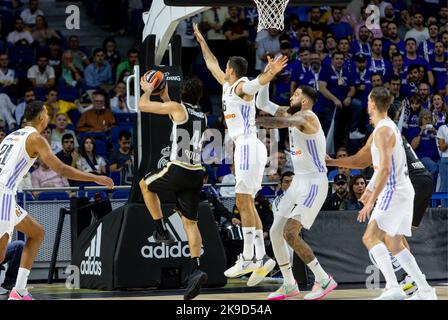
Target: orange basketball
(157, 78)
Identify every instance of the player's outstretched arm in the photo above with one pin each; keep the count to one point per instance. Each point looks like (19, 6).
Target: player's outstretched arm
(263, 103)
(172, 108)
(210, 60)
(37, 145)
(362, 159)
(282, 122)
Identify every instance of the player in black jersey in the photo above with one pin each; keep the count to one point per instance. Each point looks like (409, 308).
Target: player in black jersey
(420, 177)
(183, 175)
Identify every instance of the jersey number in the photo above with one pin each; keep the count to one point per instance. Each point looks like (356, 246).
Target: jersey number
(196, 140)
(4, 153)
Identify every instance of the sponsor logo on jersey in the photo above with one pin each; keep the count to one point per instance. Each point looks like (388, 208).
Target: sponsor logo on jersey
(230, 116)
(92, 266)
(169, 77)
(165, 152)
(296, 152)
(179, 249)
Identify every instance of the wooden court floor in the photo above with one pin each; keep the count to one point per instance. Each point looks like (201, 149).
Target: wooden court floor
(232, 291)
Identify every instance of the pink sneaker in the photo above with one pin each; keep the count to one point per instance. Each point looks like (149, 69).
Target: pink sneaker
(14, 295)
(321, 289)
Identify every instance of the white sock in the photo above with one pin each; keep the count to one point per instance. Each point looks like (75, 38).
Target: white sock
(409, 265)
(248, 236)
(318, 271)
(288, 277)
(260, 250)
(384, 263)
(22, 279)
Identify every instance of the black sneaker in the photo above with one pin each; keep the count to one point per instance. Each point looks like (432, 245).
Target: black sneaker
(166, 238)
(195, 282)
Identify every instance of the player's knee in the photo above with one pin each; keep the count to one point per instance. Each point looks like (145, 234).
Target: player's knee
(367, 240)
(38, 233)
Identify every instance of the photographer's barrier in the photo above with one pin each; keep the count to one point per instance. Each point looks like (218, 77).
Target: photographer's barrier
(119, 251)
(336, 238)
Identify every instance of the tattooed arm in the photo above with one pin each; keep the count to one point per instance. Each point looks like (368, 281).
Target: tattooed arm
(297, 121)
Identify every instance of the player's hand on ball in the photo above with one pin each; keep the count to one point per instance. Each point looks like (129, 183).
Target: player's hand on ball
(104, 181)
(146, 86)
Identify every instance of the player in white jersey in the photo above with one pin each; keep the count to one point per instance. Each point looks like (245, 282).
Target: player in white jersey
(250, 155)
(301, 203)
(391, 196)
(18, 151)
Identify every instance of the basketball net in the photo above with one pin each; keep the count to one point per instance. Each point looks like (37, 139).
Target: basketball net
(271, 14)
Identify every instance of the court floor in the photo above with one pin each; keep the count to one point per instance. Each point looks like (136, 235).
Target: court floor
(234, 290)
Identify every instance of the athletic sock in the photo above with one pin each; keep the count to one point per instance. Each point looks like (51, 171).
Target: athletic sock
(318, 271)
(408, 263)
(195, 262)
(160, 226)
(22, 279)
(288, 277)
(384, 263)
(248, 236)
(260, 250)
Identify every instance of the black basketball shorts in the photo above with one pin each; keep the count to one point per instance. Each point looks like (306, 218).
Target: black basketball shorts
(423, 187)
(186, 184)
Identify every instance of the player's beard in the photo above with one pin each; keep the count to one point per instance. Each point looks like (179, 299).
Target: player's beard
(295, 108)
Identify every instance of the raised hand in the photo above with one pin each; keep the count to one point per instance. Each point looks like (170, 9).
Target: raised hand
(198, 34)
(146, 86)
(278, 64)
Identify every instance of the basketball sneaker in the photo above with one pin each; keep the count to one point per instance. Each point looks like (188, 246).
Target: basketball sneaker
(321, 289)
(15, 295)
(408, 285)
(264, 266)
(3, 291)
(194, 285)
(241, 267)
(165, 238)
(284, 292)
(393, 293)
(424, 295)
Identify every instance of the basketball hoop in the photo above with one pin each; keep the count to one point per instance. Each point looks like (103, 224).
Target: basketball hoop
(271, 14)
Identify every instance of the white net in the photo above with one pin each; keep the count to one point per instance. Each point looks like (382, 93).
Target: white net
(271, 14)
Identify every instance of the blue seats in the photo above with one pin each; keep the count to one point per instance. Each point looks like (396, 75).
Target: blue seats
(125, 118)
(121, 194)
(116, 177)
(74, 115)
(58, 195)
(436, 196)
(95, 135)
(101, 148)
(68, 93)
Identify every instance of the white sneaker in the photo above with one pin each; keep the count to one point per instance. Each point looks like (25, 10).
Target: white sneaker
(265, 266)
(424, 295)
(408, 285)
(321, 289)
(395, 293)
(356, 135)
(285, 291)
(241, 267)
(3, 291)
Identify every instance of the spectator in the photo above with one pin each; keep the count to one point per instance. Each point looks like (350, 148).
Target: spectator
(47, 135)
(30, 14)
(306, 42)
(98, 119)
(439, 110)
(69, 153)
(8, 77)
(129, 64)
(118, 103)
(394, 39)
(411, 117)
(424, 95)
(88, 160)
(45, 177)
(12, 258)
(342, 153)
(424, 143)
(70, 74)
(56, 106)
(419, 32)
(294, 73)
(319, 48)
(99, 73)
(285, 182)
(212, 22)
(80, 58)
(55, 56)
(7, 109)
(438, 62)
(411, 58)
(236, 31)
(377, 33)
(122, 160)
(273, 176)
(413, 81)
(41, 75)
(397, 68)
(20, 110)
(362, 81)
(362, 46)
(331, 46)
(426, 48)
(189, 43)
(377, 62)
(442, 139)
(268, 46)
(394, 88)
(318, 29)
(335, 84)
(111, 54)
(334, 200)
(339, 28)
(356, 187)
(19, 36)
(311, 77)
(42, 33)
(443, 16)
(61, 130)
(389, 14)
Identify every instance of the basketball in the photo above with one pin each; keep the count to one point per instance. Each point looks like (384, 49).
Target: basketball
(157, 78)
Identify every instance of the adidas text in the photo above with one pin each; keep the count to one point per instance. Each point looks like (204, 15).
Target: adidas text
(91, 268)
